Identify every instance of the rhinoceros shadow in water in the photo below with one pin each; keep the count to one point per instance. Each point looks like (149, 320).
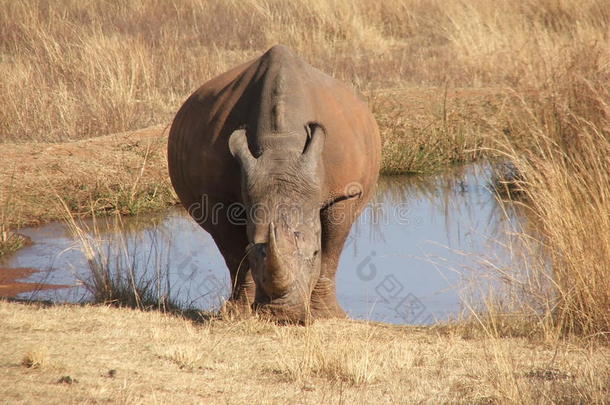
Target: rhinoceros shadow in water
(276, 160)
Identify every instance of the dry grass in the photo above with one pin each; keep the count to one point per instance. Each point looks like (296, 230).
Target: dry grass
(436, 74)
(160, 358)
(320, 356)
(10, 240)
(565, 249)
(36, 357)
(75, 70)
(558, 281)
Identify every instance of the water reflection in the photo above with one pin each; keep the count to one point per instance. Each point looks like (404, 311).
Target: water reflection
(402, 259)
(415, 240)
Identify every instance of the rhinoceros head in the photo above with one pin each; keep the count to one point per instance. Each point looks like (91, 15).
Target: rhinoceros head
(281, 189)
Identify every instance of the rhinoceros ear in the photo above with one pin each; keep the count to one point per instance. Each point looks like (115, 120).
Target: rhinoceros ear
(316, 136)
(312, 153)
(238, 145)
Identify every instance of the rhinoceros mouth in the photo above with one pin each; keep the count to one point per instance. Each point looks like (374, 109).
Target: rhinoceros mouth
(283, 314)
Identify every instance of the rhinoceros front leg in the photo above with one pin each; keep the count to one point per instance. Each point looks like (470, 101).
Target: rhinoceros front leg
(324, 302)
(242, 283)
(229, 234)
(337, 222)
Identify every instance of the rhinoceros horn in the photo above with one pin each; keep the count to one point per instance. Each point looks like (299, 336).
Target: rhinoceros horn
(278, 273)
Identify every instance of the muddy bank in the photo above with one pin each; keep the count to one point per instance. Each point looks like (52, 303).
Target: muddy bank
(11, 286)
(125, 172)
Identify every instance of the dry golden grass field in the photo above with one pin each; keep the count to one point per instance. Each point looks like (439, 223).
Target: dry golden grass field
(93, 354)
(449, 81)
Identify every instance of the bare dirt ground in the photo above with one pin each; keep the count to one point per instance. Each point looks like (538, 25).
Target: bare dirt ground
(122, 172)
(85, 354)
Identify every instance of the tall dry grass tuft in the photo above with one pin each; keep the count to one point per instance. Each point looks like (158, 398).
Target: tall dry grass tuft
(565, 187)
(37, 357)
(10, 240)
(119, 273)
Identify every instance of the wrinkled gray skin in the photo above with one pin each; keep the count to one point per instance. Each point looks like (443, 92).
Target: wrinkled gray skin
(301, 153)
(281, 189)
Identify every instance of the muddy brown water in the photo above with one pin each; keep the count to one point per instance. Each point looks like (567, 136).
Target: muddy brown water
(408, 260)
(12, 282)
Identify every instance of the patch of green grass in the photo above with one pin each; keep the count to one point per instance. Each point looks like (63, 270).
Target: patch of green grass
(429, 143)
(117, 198)
(11, 242)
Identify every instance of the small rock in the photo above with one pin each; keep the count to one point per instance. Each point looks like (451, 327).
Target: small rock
(112, 373)
(67, 380)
